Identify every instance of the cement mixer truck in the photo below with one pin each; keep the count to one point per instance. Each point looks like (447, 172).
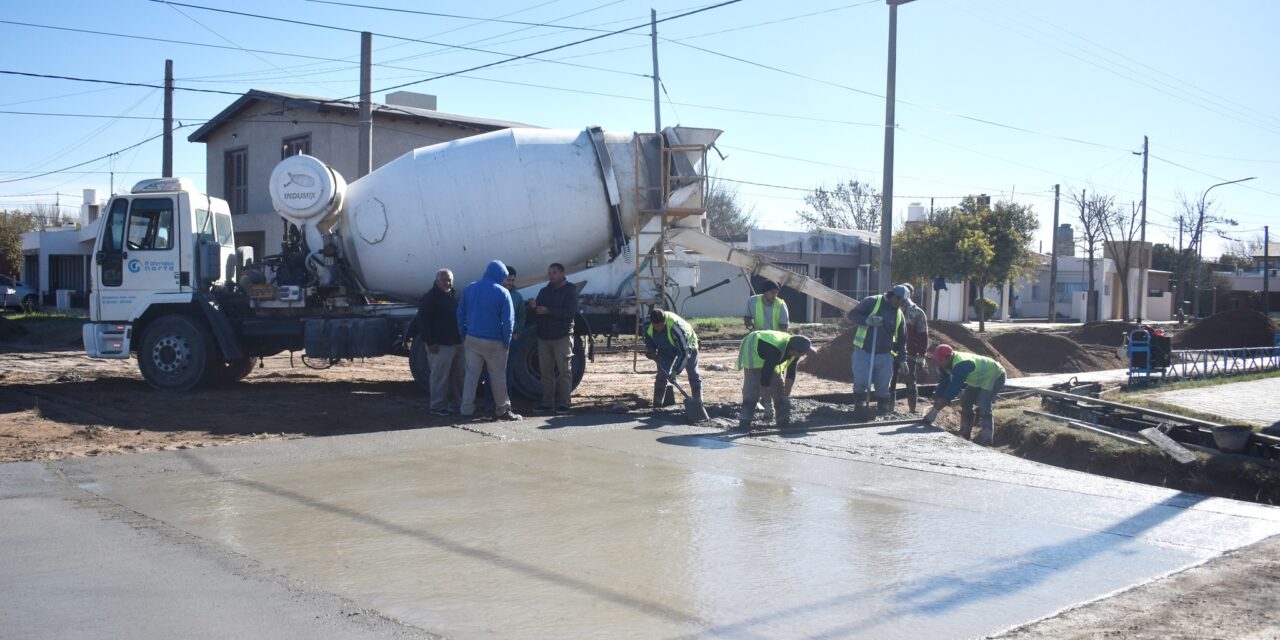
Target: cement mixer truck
(622, 211)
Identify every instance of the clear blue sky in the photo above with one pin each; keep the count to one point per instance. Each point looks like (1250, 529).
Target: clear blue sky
(1197, 76)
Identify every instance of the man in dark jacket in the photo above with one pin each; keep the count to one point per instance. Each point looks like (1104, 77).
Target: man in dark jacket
(554, 310)
(672, 344)
(438, 329)
(485, 320)
(878, 342)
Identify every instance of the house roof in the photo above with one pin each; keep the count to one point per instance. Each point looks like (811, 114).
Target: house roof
(318, 104)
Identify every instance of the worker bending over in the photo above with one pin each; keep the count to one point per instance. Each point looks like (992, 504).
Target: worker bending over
(875, 355)
(765, 311)
(671, 343)
(768, 362)
(975, 379)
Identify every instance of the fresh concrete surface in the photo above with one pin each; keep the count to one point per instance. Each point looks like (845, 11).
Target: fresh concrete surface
(581, 526)
(1256, 402)
(77, 566)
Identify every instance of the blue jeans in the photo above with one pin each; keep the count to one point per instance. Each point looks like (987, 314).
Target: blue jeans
(664, 361)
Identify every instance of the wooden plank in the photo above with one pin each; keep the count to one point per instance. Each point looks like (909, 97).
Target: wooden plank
(1088, 426)
(1168, 445)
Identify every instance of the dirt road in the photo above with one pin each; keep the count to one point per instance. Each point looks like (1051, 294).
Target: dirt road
(58, 404)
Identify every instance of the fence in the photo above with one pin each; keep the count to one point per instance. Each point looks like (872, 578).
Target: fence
(1203, 363)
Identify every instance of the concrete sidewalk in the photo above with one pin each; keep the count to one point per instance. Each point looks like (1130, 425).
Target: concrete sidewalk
(586, 525)
(1256, 402)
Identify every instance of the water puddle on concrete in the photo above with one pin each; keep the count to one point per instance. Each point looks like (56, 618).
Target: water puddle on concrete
(617, 534)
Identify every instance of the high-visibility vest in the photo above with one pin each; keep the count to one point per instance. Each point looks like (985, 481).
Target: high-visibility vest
(774, 323)
(749, 356)
(673, 319)
(860, 336)
(985, 370)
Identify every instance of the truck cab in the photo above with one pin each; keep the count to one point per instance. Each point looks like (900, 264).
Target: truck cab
(160, 250)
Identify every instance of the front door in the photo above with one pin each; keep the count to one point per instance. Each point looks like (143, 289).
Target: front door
(138, 255)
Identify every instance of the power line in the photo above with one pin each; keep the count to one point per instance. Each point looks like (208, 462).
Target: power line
(1210, 175)
(393, 37)
(113, 82)
(453, 16)
(81, 164)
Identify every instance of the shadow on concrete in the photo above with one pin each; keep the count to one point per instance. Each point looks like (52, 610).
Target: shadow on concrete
(993, 579)
(603, 592)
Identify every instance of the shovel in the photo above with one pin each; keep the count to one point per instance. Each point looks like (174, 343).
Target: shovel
(863, 412)
(693, 409)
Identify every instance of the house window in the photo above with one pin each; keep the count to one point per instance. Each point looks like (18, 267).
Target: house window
(294, 145)
(235, 176)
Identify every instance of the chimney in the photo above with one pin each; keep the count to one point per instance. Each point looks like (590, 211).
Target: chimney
(89, 207)
(1066, 241)
(411, 99)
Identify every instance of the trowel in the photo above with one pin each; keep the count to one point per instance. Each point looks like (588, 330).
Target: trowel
(693, 409)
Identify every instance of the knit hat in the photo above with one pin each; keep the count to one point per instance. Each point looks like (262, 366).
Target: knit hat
(901, 291)
(801, 344)
(768, 286)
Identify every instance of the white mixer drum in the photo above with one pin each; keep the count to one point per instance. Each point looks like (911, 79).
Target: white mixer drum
(306, 192)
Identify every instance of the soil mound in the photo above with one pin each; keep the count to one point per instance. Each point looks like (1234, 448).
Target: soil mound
(1109, 333)
(833, 360)
(10, 329)
(1049, 353)
(1233, 329)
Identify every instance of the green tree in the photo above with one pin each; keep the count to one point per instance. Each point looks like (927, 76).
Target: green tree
(971, 241)
(12, 225)
(849, 205)
(726, 216)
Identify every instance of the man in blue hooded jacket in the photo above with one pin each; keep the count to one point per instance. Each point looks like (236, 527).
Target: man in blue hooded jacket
(485, 320)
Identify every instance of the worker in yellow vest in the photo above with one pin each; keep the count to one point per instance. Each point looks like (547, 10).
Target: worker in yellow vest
(670, 342)
(765, 311)
(879, 341)
(768, 363)
(975, 379)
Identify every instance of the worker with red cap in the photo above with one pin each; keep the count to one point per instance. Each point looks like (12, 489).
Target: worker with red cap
(975, 379)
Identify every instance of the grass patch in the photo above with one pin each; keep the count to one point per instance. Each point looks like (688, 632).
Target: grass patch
(1227, 476)
(43, 327)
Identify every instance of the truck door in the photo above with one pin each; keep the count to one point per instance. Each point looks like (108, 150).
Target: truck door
(138, 255)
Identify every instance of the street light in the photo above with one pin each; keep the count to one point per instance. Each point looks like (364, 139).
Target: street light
(1198, 240)
(886, 190)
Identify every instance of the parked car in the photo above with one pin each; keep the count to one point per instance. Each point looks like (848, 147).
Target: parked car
(16, 295)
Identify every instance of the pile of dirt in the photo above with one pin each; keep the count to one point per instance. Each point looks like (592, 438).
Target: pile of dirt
(1233, 329)
(1108, 333)
(833, 360)
(1050, 353)
(10, 329)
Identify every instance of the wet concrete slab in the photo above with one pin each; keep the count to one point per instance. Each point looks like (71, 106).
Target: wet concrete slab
(586, 526)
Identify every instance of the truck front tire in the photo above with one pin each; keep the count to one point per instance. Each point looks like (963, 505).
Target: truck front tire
(176, 353)
(232, 372)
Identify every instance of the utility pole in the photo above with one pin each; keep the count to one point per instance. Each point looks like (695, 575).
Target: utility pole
(1144, 265)
(364, 142)
(166, 154)
(1053, 261)
(886, 191)
(1180, 288)
(657, 80)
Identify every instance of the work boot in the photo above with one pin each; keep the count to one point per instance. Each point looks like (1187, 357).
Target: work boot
(912, 397)
(986, 435)
(784, 415)
(883, 407)
(966, 425)
(695, 391)
(745, 418)
(659, 393)
(859, 399)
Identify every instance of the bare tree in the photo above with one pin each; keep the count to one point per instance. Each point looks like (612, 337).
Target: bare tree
(726, 216)
(1120, 230)
(47, 215)
(1092, 219)
(850, 205)
(1199, 213)
(1239, 252)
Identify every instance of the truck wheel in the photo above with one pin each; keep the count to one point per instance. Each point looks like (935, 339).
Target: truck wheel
(233, 371)
(176, 353)
(420, 367)
(526, 377)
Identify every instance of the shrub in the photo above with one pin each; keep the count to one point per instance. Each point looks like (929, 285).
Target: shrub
(985, 308)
